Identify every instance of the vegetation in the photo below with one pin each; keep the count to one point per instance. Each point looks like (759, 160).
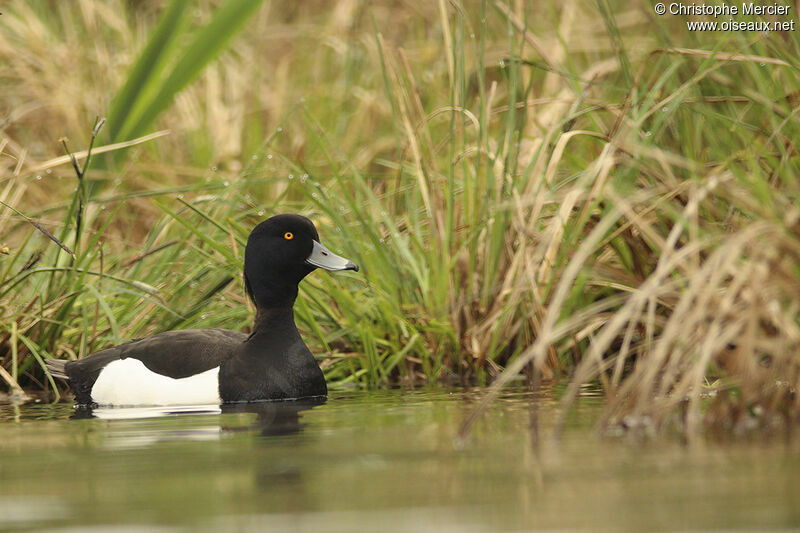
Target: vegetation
(582, 189)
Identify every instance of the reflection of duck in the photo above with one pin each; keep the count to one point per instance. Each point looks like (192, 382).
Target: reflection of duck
(204, 366)
(133, 413)
(273, 418)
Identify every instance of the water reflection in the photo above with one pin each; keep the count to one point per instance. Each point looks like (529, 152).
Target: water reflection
(271, 418)
(375, 461)
(133, 413)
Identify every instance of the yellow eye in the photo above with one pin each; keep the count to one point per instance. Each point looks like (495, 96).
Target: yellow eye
(288, 235)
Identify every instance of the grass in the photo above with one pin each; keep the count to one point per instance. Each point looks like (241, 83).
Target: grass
(524, 188)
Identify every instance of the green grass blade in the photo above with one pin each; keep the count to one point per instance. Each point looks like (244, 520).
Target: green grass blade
(140, 84)
(207, 44)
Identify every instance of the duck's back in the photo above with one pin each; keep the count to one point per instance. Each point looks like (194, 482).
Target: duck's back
(169, 368)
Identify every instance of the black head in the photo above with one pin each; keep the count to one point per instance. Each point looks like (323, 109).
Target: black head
(280, 252)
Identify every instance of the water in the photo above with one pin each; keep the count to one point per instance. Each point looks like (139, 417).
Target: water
(387, 461)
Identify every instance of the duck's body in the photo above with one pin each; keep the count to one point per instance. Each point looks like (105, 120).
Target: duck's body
(202, 366)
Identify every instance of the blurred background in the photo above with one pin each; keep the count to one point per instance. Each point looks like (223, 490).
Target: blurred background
(578, 188)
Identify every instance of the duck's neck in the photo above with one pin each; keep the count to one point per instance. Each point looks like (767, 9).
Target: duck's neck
(274, 322)
(268, 294)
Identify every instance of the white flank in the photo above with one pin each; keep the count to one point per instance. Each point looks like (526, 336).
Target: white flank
(130, 382)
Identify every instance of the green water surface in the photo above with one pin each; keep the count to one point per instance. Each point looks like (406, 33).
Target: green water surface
(386, 461)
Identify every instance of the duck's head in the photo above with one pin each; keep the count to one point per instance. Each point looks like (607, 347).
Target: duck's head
(280, 252)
